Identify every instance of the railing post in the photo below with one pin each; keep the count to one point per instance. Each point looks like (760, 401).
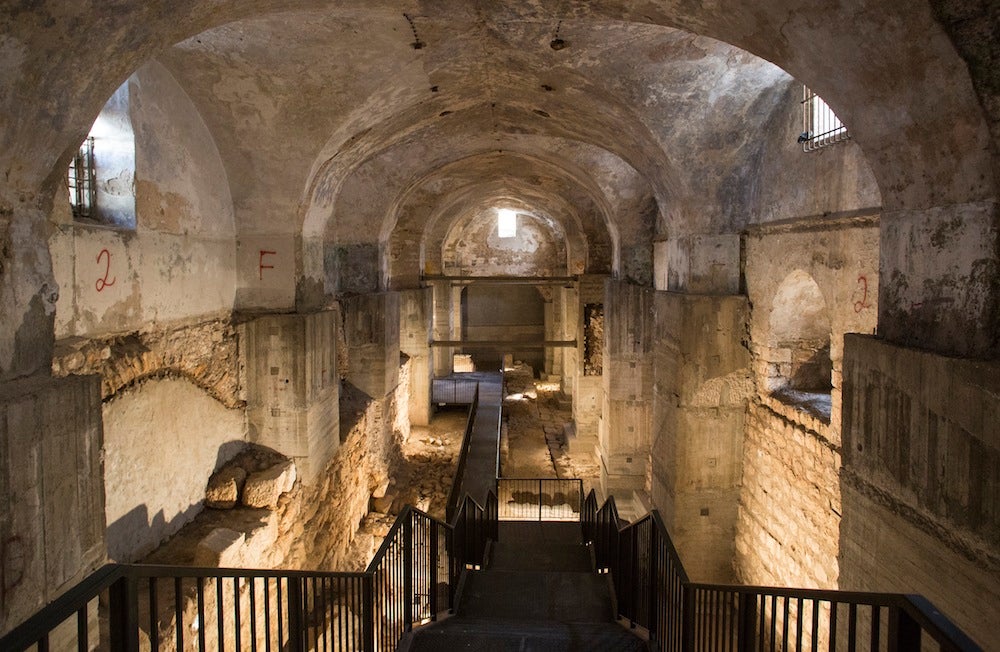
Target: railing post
(408, 572)
(653, 580)
(432, 560)
(748, 622)
(904, 632)
(296, 620)
(368, 612)
(539, 499)
(688, 618)
(123, 614)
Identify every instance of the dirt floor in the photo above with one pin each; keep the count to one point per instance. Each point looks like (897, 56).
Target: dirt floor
(533, 446)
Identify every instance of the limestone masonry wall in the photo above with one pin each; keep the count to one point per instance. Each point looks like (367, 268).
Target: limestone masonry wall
(204, 353)
(787, 533)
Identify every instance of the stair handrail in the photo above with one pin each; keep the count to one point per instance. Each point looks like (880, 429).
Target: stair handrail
(304, 601)
(455, 494)
(652, 590)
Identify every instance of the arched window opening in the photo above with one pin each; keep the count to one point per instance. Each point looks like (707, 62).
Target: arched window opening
(101, 176)
(799, 364)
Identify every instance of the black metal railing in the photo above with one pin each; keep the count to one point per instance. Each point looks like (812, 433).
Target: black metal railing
(653, 592)
(539, 499)
(453, 391)
(456, 482)
(411, 578)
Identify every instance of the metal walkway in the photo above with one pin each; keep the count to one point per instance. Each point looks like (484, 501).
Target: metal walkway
(481, 461)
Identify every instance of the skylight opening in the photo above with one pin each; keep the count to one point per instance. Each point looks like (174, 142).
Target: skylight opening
(506, 223)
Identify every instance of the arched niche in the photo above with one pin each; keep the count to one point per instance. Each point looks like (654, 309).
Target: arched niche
(798, 352)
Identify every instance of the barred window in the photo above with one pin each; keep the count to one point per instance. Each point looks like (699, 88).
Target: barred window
(820, 125)
(82, 181)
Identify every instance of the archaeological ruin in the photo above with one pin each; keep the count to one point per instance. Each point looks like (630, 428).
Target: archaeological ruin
(738, 263)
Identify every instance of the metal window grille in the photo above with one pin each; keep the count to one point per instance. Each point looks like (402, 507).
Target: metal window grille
(820, 126)
(82, 181)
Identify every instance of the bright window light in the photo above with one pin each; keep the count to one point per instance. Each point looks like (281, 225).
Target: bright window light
(506, 223)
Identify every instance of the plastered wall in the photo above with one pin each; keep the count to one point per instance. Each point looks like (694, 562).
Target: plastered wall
(162, 440)
(179, 260)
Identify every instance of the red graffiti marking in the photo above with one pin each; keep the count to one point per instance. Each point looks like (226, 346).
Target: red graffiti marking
(260, 263)
(103, 282)
(861, 305)
(916, 306)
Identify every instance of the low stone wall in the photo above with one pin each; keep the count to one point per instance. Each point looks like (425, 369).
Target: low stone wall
(790, 505)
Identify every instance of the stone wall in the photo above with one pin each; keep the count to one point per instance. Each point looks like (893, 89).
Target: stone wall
(291, 384)
(178, 262)
(626, 415)
(163, 438)
(922, 459)
(52, 521)
(790, 503)
(799, 275)
(701, 385)
(204, 353)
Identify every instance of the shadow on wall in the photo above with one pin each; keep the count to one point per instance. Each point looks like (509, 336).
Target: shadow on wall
(134, 535)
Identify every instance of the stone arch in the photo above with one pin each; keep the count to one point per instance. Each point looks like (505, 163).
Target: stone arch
(799, 337)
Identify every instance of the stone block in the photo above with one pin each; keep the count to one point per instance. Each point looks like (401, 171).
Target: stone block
(224, 487)
(383, 504)
(221, 548)
(263, 488)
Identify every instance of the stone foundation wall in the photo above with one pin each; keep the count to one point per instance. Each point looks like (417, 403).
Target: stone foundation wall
(205, 353)
(921, 480)
(787, 532)
(701, 385)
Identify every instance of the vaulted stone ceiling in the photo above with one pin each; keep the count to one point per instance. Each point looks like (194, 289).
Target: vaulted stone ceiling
(342, 104)
(327, 117)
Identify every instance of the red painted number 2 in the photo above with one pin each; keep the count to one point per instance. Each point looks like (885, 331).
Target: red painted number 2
(104, 282)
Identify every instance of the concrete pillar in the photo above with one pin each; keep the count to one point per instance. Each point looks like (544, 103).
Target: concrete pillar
(702, 383)
(52, 525)
(441, 327)
(569, 304)
(588, 385)
(626, 417)
(415, 310)
(938, 276)
(551, 331)
(292, 388)
(371, 324)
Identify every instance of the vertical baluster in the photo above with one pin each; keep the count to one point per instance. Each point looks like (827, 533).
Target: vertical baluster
(784, 624)
(178, 613)
(876, 626)
(82, 634)
(220, 615)
(852, 628)
(201, 613)
(762, 625)
(279, 612)
(238, 624)
(267, 615)
(815, 626)
(154, 629)
(252, 588)
(833, 626)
